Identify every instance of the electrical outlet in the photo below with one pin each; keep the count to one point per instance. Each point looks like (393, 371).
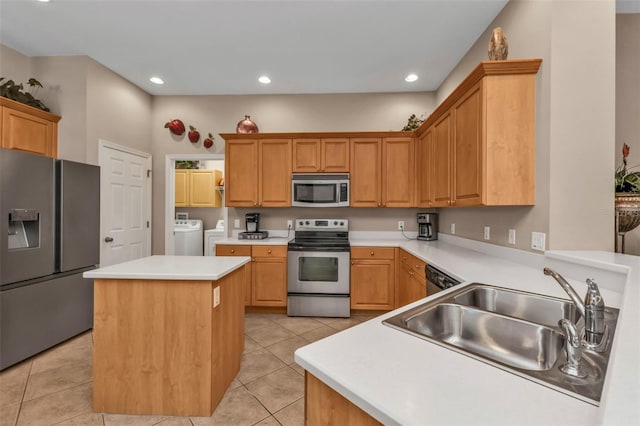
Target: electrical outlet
(401, 225)
(487, 232)
(512, 236)
(453, 228)
(289, 224)
(538, 240)
(216, 296)
(236, 223)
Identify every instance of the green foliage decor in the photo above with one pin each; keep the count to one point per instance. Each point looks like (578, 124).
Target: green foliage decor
(9, 89)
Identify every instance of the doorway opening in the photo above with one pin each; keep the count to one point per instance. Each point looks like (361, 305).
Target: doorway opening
(211, 212)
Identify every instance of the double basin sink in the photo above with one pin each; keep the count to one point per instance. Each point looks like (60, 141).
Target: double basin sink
(513, 330)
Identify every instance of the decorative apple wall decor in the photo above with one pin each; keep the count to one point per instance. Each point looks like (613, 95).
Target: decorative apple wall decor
(194, 135)
(208, 142)
(175, 126)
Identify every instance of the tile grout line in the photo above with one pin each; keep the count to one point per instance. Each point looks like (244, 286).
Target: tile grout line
(24, 392)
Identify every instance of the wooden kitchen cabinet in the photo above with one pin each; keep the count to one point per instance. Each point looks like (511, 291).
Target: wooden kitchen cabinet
(197, 188)
(274, 175)
(258, 173)
(412, 283)
(484, 138)
(372, 278)
(266, 274)
(29, 129)
(269, 276)
(316, 155)
(424, 166)
(382, 172)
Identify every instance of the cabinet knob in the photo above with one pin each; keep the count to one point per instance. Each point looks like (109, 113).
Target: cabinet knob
(449, 202)
(255, 204)
(253, 259)
(269, 251)
(372, 253)
(233, 250)
(378, 204)
(353, 263)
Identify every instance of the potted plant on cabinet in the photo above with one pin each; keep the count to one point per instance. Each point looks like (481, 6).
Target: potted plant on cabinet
(627, 203)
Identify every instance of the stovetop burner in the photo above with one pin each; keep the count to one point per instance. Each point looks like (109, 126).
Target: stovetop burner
(321, 234)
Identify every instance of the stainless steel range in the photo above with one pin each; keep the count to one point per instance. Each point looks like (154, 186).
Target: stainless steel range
(318, 269)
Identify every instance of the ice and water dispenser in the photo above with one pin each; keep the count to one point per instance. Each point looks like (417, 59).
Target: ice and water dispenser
(23, 229)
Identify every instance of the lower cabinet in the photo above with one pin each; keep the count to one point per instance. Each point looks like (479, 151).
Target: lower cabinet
(265, 275)
(373, 278)
(412, 283)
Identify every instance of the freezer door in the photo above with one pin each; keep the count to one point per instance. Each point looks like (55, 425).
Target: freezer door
(27, 248)
(78, 206)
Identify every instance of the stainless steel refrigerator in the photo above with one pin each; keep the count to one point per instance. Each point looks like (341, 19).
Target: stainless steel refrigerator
(49, 235)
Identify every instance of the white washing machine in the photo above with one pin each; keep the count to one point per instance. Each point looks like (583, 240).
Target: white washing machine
(188, 237)
(211, 237)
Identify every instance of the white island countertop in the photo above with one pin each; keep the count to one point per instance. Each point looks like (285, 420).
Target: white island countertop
(171, 268)
(400, 379)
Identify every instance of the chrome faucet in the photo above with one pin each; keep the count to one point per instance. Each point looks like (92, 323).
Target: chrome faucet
(592, 310)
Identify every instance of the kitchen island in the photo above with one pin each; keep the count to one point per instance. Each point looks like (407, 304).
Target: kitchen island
(372, 373)
(168, 334)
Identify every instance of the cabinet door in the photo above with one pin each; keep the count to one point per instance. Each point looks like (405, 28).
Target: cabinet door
(182, 188)
(372, 284)
(26, 132)
(275, 173)
(334, 155)
(441, 171)
(269, 277)
(397, 172)
(467, 149)
(365, 168)
(241, 165)
(411, 287)
(306, 155)
(424, 146)
(201, 188)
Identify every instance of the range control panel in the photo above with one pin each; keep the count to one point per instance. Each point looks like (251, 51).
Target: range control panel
(322, 225)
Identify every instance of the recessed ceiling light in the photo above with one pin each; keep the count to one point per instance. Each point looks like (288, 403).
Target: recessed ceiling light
(156, 80)
(410, 78)
(264, 79)
(44, 1)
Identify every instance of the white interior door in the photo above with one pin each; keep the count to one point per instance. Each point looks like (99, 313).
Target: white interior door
(125, 200)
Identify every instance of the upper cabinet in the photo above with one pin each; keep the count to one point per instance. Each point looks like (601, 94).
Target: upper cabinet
(314, 155)
(382, 172)
(197, 188)
(29, 129)
(483, 139)
(258, 172)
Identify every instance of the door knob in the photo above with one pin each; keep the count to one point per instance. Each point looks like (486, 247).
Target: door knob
(108, 239)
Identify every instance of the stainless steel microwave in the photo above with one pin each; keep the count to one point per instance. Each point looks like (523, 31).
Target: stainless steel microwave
(320, 190)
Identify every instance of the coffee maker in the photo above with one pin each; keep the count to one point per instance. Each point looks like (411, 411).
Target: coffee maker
(428, 226)
(252, 226)
(252, 222)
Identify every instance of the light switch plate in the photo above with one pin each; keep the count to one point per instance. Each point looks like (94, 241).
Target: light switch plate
(216, 296)
(453, 228)
(538, 240)
(236, 223)
(512, 236)
(487, 232)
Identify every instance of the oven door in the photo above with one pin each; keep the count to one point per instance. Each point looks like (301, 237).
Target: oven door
(318, 272)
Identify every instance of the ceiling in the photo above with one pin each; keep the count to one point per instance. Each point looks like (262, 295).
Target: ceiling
(221, 47)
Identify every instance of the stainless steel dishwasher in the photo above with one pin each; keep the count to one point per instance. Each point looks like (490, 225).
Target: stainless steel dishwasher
(438, 280)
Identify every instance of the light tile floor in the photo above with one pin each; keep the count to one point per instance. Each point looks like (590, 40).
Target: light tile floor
(54, 387)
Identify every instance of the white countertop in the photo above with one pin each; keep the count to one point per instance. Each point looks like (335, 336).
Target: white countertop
(400, 379)
(171, 268)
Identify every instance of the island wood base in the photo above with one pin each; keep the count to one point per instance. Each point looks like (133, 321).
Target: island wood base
(324, 406)
(160, 347)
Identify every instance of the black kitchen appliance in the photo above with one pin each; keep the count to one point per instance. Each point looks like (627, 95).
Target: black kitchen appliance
(427, 226)
(252, 226)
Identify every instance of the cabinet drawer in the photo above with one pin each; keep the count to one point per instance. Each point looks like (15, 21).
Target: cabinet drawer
(269, 251)
(233, 250)
(372, 253)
